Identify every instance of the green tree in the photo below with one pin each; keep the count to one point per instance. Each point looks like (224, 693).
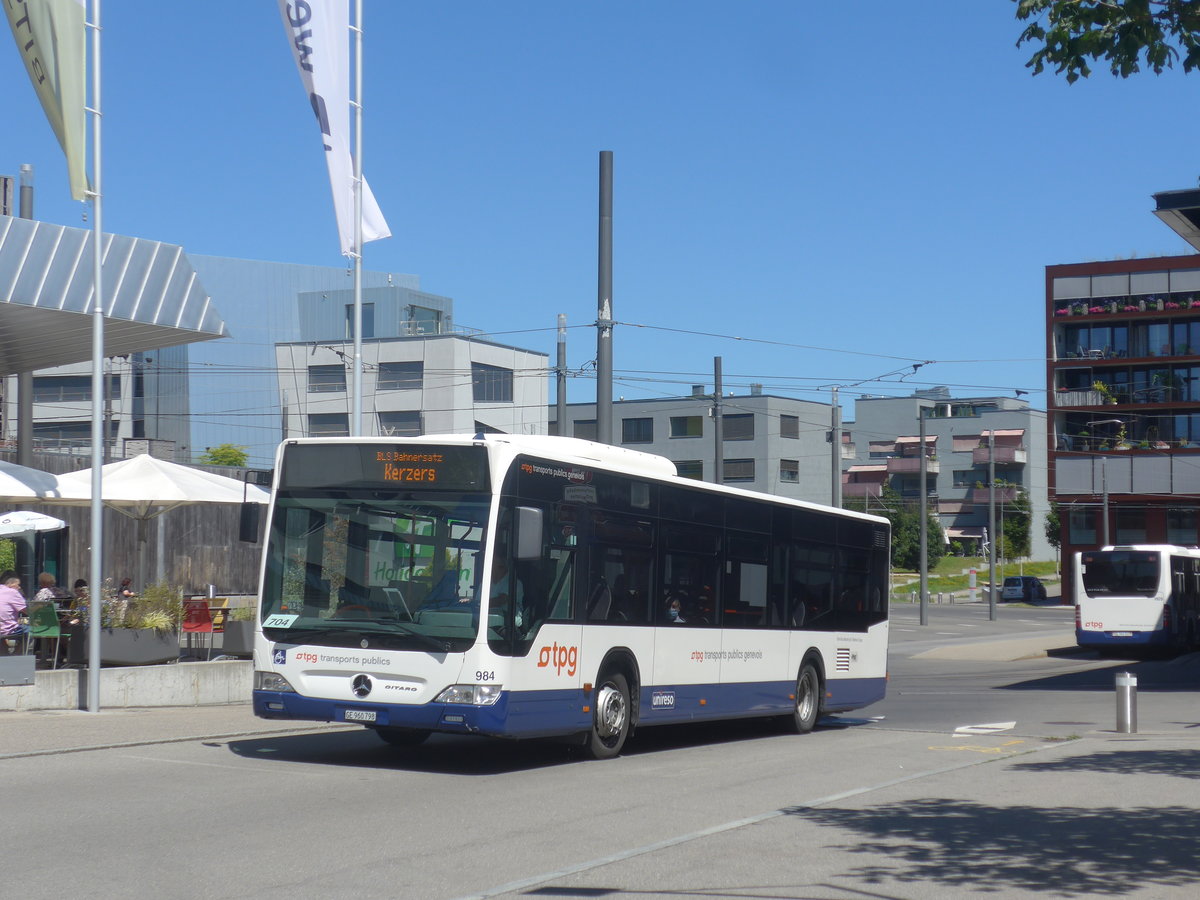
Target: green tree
(1125, 34)
(224, 455)
(1054, 527)
(1014, 536)
(905, 517)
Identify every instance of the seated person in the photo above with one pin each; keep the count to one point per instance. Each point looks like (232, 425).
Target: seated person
(12, 604)
(675, 611)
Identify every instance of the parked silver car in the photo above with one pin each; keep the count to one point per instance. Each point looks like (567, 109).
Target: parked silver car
(1023, 587)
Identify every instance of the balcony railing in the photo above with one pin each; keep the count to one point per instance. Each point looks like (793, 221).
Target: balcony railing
(1003, 495)
(866, 489)
(911, 465)
(1087, 397)
(1005, 456)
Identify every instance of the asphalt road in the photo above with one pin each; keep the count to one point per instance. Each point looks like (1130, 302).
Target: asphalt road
(896, 802)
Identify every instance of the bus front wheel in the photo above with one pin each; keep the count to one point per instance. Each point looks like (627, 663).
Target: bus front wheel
(610, 719)
(808, 699)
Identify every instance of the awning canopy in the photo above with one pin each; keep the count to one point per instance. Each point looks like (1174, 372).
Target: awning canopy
(967, 531)
(152, 296)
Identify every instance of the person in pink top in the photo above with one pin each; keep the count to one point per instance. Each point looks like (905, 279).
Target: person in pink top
(12, 604)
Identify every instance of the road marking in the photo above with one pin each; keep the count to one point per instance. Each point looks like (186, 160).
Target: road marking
(993, 728)
(621, 856)
(1006, 747)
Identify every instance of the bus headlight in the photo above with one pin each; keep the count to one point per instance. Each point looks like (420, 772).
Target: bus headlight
(269, 681)
(470, 694)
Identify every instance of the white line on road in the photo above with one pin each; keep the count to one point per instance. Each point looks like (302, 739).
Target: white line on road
(535, 880)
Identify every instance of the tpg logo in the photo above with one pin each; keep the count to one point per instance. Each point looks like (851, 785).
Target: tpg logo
(559, 656)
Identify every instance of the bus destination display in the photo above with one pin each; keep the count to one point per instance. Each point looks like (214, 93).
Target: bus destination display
(377, 466)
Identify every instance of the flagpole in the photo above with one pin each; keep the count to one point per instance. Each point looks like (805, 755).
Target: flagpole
(95, 580)
(356, 415)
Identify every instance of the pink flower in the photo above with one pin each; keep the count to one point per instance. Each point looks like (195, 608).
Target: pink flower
(1170, 304)
(1063, 311)
(1095, 309)
(1130, 309)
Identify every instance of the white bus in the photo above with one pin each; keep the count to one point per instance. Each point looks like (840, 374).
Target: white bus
(543, 586)
(1143, 595)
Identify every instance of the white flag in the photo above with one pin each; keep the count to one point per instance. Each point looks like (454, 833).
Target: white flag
(319, 31)
(50, 38)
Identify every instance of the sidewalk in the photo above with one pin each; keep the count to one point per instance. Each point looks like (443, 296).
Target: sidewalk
(68, 731)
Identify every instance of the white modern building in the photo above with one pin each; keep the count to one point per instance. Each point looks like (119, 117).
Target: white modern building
(777, 445)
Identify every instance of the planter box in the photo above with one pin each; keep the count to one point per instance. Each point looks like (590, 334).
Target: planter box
(238, 639)
(126, 646)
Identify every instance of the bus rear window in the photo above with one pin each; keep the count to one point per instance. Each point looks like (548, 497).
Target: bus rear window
(1120, 572)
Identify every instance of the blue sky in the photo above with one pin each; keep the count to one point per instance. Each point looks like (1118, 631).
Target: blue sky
(847, 187)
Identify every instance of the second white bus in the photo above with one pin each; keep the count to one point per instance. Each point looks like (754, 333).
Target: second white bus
(1138, 596)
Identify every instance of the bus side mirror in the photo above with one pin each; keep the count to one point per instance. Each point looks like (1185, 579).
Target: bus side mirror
(529, 533)
(248, 523)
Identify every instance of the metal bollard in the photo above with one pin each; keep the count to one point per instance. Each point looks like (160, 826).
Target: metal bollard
(1126, 703)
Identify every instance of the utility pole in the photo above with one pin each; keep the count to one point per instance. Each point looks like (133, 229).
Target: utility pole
(924, 507)
(604, 319)
(25, 379)
(560, 375)
(992, 524)
(718, 425)
(835, 440)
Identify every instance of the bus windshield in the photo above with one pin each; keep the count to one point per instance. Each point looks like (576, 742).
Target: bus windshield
(1129, 573)
(399, 573)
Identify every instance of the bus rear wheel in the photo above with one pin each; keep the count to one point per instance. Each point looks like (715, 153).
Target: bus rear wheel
(610, 719)
(402, 737)
(808, 700)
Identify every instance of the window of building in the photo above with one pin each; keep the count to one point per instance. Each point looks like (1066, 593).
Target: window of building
(66, 388)
(584, 428)
(687, 426)
(739, 427)
(1181, 527)
(400, 376)
(484, 428)
(789, 426)
(966, 478)
(326, 379)
(1131, 525)
(368, 320)
(738, 470)
(328, 425)
(66, 434)
(422, 320)
(789, 470)
(690, 468)
(637, 431)
(492, 384)
(402, 423)
(1081, 525)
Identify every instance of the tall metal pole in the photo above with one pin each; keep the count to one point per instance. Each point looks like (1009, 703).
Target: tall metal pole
(604, 304)
(560, 375)
(25, 379)
(924, 530)
(993, 537)
(718, 424)
(1104, 492)
(96, 572)
(356, 387)
(835, 440)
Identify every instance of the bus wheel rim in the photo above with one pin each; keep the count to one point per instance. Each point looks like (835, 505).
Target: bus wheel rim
(610, 712)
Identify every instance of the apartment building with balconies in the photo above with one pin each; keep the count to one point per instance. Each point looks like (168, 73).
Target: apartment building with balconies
(964, 437)
(1123, 377)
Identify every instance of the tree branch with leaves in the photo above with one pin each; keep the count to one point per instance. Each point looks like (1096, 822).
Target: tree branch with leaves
(1125, 34)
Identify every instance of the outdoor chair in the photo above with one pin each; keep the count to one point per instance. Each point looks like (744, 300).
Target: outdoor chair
(44, 625)
(198, 620)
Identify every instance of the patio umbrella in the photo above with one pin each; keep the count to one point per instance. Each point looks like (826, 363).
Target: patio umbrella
(24, 521)
(24, 483)
(144, 487)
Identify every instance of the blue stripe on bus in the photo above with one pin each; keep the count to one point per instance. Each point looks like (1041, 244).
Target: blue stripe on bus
(545, 713)
(1136, 639)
